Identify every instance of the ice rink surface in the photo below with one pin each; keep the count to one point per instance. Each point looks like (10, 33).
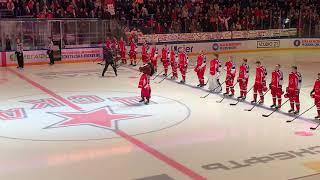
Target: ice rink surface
(67, 122)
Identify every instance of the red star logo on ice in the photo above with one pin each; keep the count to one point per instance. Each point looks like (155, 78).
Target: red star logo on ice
(102, 117)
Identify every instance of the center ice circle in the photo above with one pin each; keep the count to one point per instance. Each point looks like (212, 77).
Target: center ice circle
(87, 116)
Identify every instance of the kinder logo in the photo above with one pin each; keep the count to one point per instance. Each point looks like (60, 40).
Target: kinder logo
(188, 49)
(268, 44)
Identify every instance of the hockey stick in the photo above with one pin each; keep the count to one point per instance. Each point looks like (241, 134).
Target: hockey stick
(207, 82)
(164, 78)
(255, 105)
(98, 59)
(314, 128)
(238, 100)
(120, 64)
(100, 63)
(157, 75)
(220, 85)
(138, 62)
(300, 114)
(224, 96)
(275, 110)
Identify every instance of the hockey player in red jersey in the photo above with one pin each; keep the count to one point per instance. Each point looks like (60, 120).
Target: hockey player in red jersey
(154, 57)
(133, 54)
(164, 53)
(144, 82)
(144, 53)
(173, 63)
(144, 48)
(293, 90)
(243, 79)
(260, 83)
(230, 68)
(122, 48)
(201, 68)
(114, 45)
(183, 64)
(165, 59)
(276, 87)
(108, 43)
(315, 93)
(214, 83)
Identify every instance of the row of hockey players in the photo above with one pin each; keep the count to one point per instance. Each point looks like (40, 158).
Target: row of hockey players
(177, 60)
(180, 59)
(260, 86)
(168, 57)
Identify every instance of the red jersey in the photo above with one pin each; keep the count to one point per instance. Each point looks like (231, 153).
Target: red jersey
(114, 45)
(295, 80)
(261, 73)
(183, 60)
(154, 56)
(277, 79)
(215, 66)
(164, 54)
(122, 46)
(230, 67)
(144, 81)
(243, 72)
(172, 56)
(201, 63)
(133, 47)
(144, 49)
(316, 89)
(107, 44)
(153, 52)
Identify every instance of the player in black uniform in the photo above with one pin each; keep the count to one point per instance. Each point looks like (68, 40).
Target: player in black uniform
(108, 57)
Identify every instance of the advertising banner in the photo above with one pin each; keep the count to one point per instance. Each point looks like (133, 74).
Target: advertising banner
(82, 54)
(305, 43)
(205, 36)
(30, 57)
(268, 44)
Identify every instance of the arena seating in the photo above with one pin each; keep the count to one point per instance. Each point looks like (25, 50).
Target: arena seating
(173, 16)
(178, 16)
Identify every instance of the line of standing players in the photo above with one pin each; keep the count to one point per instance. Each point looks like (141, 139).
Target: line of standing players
(177, 60)
(168, 57)
(292, 91)
(180, 60)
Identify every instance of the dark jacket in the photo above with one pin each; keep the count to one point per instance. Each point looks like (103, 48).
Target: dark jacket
(8, 44)
(108, 56)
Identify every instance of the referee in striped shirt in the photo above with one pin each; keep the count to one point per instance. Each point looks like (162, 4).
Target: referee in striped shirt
(50, 51)
(19, 54)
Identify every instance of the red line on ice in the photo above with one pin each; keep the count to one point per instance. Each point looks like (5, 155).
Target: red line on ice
(44, 89)
(180, 167)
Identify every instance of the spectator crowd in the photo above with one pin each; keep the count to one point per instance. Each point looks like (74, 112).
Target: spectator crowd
(56, 9)
(175, 16)
(179, 16)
